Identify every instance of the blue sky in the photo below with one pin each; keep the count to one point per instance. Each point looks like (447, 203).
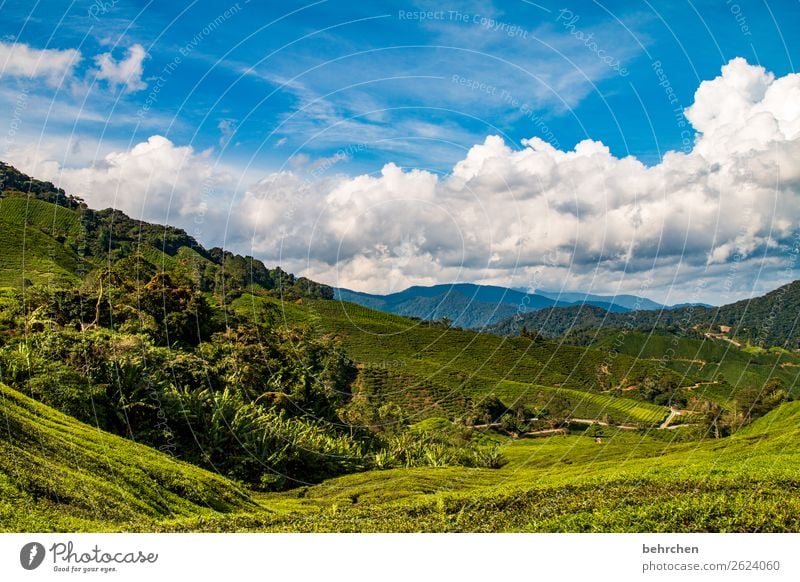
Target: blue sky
(259, 88)
(269, 74)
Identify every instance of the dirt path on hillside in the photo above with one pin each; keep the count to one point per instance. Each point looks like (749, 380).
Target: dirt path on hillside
(589, 421)
(672, 415)
(546, 432)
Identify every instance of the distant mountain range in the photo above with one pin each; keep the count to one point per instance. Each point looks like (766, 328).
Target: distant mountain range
(477, 306)
(621, 302)
(769, 320)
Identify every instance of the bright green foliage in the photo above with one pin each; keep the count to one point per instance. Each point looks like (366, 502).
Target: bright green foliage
(629, 482)
(56, 221)
(245, 408)
(58, 474)
(587, 404)
(28, 254)
(429, 370)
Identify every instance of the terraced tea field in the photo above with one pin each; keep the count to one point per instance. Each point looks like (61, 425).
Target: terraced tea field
(71, 477)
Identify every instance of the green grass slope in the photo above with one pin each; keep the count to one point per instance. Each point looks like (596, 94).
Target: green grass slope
(629, 483)
(719, 365)
(72, 477)
(32, 235)
(586, 405)
(53, 219)
(28, 253)
(408, 356)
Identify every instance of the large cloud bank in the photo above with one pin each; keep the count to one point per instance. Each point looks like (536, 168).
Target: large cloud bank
(530, 217)
(543, 217)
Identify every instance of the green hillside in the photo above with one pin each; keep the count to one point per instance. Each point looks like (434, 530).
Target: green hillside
(62, 471)
(48, 237)
(34, 237)
(69, 476)
(710, 360)
(628, 483)
(29, 254)
(430, 370)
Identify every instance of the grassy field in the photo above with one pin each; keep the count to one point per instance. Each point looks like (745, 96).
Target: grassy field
(28, 253)
(67, 475)
(31, 247)
(721, 367)
(629, 482)
(71, 477)
(52, 219)
(587, 405)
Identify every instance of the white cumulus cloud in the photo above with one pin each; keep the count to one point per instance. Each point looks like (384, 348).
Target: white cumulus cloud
(126, 72)
(507, 216)
(715, 218)
(52, 65)
(155, 180)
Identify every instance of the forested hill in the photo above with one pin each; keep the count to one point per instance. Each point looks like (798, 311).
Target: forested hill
(769, 320)
(128, 326)
(65, 241)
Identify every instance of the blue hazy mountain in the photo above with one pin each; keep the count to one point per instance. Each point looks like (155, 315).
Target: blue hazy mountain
(623, 302)
(476, 306)
(464, 304)
(626, 302)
